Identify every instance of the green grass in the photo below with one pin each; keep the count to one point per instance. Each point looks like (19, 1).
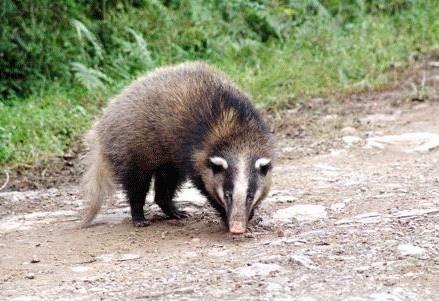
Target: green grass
(279, 52)
(40, 127)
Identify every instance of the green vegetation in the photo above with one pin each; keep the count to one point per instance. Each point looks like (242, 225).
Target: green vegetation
(61, 60)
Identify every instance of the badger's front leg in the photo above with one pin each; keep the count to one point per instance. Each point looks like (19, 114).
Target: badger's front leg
(136, 185)
(167, 179)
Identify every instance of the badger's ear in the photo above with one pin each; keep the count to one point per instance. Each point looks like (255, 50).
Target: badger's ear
(218, 164)
(263, 165)
(262, 162)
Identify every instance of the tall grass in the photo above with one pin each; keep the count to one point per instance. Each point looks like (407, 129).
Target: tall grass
(55, 75)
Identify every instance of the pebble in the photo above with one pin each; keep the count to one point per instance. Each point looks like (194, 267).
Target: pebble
(258, 269)
(330, 118)
(303, 261)
(411, 250)
(338, 206)
(351, 140)
(80, 269)
(421, 142)
(30, 276)
(34, 260)
(349, 131)
(301, 213)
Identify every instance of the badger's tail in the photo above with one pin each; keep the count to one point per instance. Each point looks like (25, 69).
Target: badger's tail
(97, 182)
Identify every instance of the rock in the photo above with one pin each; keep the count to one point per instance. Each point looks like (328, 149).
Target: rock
(125, 257)
(80, 269)
(273, 287)
(338, 207)
(329, 118)
(301, 213)
(411, 250)
(29, 276)
(415, 212)
(303, 261)
(349, 131)
(258, 269)
(408, 143)
(351, 140)
(34, 260)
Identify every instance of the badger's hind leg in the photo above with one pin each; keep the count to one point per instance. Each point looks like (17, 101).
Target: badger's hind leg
(136, 183)
(166, 181)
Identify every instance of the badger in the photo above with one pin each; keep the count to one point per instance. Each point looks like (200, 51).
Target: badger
(178, 123)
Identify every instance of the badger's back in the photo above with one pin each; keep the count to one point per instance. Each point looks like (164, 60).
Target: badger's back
(164, 115)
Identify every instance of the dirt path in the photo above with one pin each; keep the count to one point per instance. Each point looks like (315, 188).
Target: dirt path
(353, 215)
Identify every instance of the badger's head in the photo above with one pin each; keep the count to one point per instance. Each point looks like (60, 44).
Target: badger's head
(234, 163)
(237, 182)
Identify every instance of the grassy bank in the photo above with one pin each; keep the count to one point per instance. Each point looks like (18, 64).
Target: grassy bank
(279, 51)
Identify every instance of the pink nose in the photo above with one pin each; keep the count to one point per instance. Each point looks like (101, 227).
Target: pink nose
(237, 227)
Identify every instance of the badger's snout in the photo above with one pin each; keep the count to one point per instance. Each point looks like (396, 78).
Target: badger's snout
(237, 227)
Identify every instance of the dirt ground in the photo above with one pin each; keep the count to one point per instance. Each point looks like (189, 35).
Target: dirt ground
(353, 215)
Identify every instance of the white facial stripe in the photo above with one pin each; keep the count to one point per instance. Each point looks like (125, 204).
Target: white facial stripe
(241, 185)
(220, 193)
(219, 161)
(262, 162)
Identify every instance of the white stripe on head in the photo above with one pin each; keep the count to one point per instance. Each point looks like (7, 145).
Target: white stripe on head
(220, 193)
(219, 162)
(240, 186)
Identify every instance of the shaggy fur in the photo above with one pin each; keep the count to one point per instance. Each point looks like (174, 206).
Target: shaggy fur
(166, 125)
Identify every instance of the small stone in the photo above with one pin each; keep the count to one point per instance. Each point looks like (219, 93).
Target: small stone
(34, 260)
(411, 250)
(351, 140)
(349, 131)
(304, 261)
(301, 213)
(80, 269)
(30, 276)
(420, 142)
(330, 118)
(125, 257)
(258, 269)
(338, 206)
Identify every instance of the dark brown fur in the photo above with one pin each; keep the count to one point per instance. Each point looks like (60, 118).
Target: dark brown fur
(169, 122)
